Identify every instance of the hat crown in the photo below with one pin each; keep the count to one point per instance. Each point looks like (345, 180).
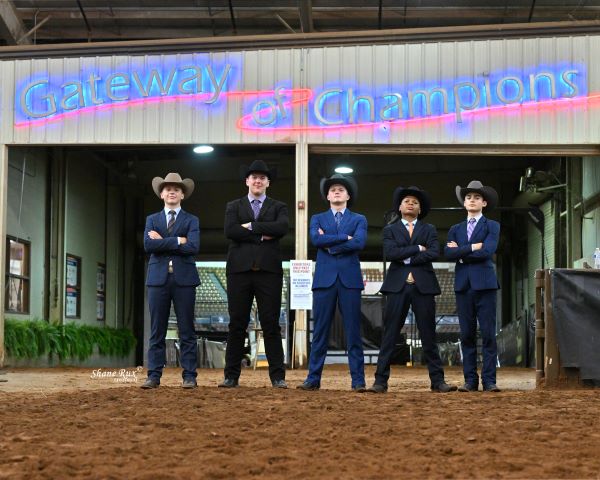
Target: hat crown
(172, 178)
(475, 184)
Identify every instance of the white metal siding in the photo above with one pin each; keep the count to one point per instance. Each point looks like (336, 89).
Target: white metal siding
(368, 70)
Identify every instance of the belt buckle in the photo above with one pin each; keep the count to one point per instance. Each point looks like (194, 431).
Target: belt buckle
(170, 269)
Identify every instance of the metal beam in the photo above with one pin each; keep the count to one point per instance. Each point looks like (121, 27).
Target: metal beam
(375, 37)
(11, 27)
(306, 16)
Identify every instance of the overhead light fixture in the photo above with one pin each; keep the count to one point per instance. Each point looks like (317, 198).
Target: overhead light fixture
(343, 170)
(203, 149)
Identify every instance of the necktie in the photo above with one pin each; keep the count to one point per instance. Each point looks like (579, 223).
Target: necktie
(338, 218)
(256, 208)
(171, 221)
(410, 227)
(470, 227)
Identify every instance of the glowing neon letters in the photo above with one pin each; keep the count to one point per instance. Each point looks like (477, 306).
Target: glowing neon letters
(42, 98)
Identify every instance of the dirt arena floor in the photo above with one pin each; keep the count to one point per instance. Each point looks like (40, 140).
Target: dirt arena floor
(76, 423)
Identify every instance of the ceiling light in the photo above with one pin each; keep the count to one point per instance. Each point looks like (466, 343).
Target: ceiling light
(203, 149)
(343, 170)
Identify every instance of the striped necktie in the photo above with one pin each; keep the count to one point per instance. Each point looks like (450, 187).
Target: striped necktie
(171, 221)
(470, 227)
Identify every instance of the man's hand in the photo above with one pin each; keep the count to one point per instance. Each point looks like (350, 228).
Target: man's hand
(182, 240)
(321, 232)
(452, 244)
(154, 235)
(246, 225)
(476, 246)
(422, 248)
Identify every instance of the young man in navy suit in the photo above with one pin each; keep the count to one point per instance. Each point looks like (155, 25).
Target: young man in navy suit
(172, 238)
(411, 245)
(472, 244)
(339, 235)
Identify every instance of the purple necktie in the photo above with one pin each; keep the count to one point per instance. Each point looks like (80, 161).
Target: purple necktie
(338, 218)
(171, 221)
(470, 227)
(256, 208)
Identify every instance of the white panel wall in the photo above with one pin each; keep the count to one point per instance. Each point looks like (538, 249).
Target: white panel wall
(368, 70)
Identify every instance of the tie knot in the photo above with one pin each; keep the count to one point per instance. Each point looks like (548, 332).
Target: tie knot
(472, 220)
(255, 202)
(338, 214)
(172, 213)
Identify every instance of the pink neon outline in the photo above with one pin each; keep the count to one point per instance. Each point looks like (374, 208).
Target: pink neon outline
(496, 109)
(144, 101)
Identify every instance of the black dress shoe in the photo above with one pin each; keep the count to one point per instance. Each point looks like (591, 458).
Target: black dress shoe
(189, 383)
(377, 388)
(359, 388)
(150, 383)
(229, 383)
(492, 387)
(467, 387)
(308, 386)
(444, 388)
(279, 384)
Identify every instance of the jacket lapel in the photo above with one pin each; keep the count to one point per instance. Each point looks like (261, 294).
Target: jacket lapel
(478, 228)
(402, 231)
(416, 232)
(268, 203)
(246, 207)
(345, 220)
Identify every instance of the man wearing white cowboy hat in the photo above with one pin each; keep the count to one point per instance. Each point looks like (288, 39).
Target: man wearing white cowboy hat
(172, 238)
(339, 235)
(472, 244)
(254, 224)
(411, 245)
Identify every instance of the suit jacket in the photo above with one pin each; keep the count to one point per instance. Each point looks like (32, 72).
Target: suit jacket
(166, 249)
(336, 255)
(474, 269)
(398, 245)
(247, 249)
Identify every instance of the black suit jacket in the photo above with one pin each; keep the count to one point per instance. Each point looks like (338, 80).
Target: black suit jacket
(247, 249)
(398, 246)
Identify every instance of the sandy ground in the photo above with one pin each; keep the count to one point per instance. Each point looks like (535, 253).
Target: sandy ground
(60, 423)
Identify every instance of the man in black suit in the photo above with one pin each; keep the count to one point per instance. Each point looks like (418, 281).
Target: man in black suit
(411, 245)
(254, 224)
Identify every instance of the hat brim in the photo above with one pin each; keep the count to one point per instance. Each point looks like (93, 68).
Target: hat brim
(186, 185)
(349, 184)
(488, 193)
(401, 192)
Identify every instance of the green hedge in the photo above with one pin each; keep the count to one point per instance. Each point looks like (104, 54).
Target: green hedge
(34, 338)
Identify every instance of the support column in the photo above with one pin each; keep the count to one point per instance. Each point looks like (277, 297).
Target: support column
(301, 322)
(3, 208)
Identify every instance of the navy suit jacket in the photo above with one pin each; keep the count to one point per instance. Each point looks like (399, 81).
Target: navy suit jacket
(474, 269)
(336, 255)
(398, 245)
(166, 249)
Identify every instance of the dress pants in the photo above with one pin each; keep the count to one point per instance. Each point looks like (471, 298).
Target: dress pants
(159, 303)
(242, 288)
(324, 303)
(395, 316)
(473, 306)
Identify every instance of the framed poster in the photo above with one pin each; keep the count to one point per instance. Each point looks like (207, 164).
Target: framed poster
(72, 286)
(100, 291)
(17, 275)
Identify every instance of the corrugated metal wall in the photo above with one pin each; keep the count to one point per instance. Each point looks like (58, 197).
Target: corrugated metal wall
(590, 224)
(368, 70)
(534, 247)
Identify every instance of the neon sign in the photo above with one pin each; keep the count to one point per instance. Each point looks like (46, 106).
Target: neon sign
(331, 107)
(338, 107)
(43, 98)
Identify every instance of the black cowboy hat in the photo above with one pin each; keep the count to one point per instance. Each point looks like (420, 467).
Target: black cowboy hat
(475, 186)
(413, 191)
(338, 179)
(258, 166)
